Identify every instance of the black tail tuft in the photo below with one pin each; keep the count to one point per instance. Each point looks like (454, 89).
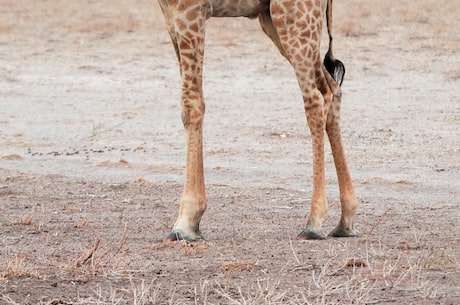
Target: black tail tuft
(335, 67)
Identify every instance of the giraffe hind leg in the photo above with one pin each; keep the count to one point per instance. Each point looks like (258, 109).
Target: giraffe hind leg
(348, 200)
(300, 46)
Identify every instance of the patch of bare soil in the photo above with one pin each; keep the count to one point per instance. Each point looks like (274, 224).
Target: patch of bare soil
(92, 150)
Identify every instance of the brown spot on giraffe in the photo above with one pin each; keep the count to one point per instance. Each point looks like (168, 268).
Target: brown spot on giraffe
(191, 15)
(181, 25)
(294, 26)
(194, 27)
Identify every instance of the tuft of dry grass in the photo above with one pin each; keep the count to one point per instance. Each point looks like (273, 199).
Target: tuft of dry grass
(97, 264)
(264, 291)
(356, 262)
(404, 181)
(437, 259)
(11, 156)
(24, 220)
(234, 267)
(81, 223)
(16, 268)
(192, 248)
(187, 248)
(107, 162)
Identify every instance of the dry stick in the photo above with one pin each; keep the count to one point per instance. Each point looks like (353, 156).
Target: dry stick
(377, 223)
(85, 258)
(293, 252)
(123, 240)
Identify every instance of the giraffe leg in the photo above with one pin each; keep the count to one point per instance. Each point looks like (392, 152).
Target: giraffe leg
(314, 109)
(298, 41)
(186, 26)
(348, 200)
(266, 23)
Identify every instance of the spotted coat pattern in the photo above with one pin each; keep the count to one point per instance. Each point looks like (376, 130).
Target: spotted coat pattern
(295, 27)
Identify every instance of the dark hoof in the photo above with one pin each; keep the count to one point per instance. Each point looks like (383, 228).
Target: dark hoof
(178, 235)
(308, 234)
(172, 236)
(341, 232)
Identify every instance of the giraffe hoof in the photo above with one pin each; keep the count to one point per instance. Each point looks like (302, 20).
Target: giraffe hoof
(341, 232)
(179, 235)
(308, 234)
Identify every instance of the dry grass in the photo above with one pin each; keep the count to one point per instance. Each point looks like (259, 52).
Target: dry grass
(36, 221)
(356, 262)
(232, 268)
(353, 271)
(352, 279)
(24, 220)
(186, 248)
(106, 162)
(385, 262)
(16, 268)
(11, 156)
(190, 248)
(92, 263)
(81, 223)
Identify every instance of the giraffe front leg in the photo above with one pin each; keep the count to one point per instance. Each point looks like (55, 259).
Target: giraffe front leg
(186, 25)
(193, 201)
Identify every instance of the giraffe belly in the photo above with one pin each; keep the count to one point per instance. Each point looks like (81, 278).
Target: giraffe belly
(238, 8)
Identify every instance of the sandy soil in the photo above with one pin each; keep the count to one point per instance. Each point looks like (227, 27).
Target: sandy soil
(92, 150)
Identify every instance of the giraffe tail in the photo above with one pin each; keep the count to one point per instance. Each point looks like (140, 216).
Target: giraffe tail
(334, 66)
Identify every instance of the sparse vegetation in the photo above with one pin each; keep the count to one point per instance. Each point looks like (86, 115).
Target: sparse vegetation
(15, 267)
(24, 220)
(99, 128)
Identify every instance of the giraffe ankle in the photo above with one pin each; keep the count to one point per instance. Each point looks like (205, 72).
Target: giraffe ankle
(343, 230)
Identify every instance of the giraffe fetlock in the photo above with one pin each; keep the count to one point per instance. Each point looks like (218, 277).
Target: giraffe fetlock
(311, 231)
(187, 226)
(345, 228)
(184, 230)
(318, 210)
(177, 235)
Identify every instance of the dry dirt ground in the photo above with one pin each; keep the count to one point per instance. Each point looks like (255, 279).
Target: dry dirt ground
(92, 150)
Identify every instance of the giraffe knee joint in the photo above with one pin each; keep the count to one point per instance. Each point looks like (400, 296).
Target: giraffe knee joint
(192, 113)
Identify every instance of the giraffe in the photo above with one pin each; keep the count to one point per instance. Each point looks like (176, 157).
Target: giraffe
(295, 27)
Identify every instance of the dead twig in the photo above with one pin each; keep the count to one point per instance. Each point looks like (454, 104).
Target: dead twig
(380, 219)
(84, 258)
(124, 238)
